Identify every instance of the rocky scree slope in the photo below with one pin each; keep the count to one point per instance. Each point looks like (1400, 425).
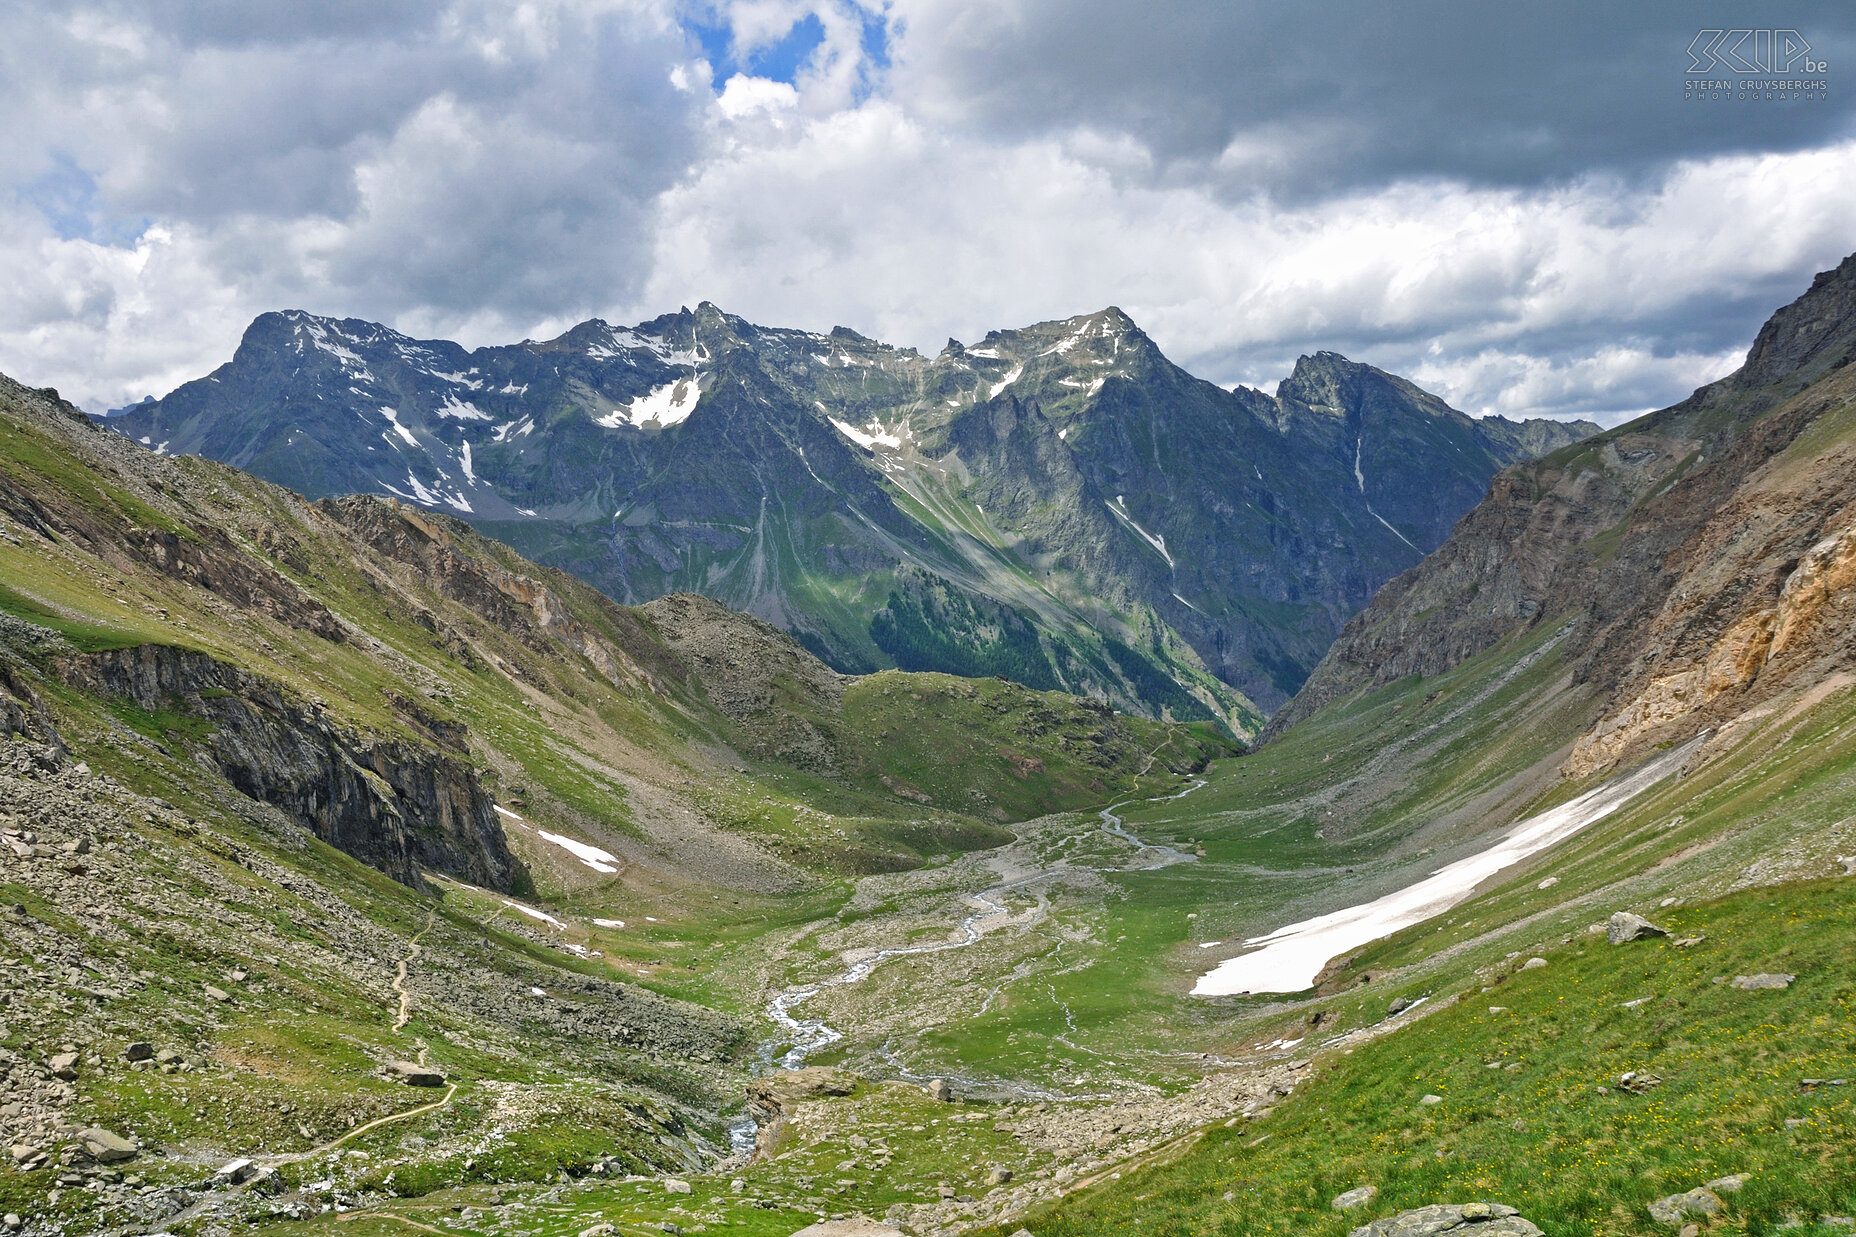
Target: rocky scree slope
(1060, 504)
(1696, 557)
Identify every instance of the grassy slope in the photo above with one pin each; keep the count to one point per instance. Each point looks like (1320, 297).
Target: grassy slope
(1531, 1112)
(549, 722)
(1769, 803)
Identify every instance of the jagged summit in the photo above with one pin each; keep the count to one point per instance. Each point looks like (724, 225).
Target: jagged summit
(1057, 502)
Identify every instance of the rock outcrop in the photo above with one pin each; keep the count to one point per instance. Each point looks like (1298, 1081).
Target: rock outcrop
(393, 803)
(1457, 1219)
(1700, 559)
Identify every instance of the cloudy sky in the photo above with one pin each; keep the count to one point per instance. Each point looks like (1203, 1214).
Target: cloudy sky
(1514, 204)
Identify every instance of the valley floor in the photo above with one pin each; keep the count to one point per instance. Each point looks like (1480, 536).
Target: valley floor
(1089, 1092)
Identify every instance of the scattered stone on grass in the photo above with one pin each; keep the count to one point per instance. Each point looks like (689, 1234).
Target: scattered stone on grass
(1638, 1081)
(1764, 980)
(1359, 1196)
(106, 1146)
(414, 1074)
(1625, 927)
(1675, 1209)
(1482, 1219)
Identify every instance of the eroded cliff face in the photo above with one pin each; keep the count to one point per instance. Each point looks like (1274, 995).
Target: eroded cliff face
(395, 804)
(1765, 596)
(1700, 556)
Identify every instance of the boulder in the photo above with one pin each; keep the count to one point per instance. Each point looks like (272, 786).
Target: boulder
(598, 1230)
(784, 1088)
(1458, 1219)
(216, 994)
(998, 1176)
(105, 1146)
(672, 1185)
(1732, 1183)
(939, 1089)
(1624, 927)
(238, 1170)
(140, 1050)
(1675, 1209)
(414, 1074)
(63, 1065)
(1764, 980)
(1533, 964)
(1359, 1196)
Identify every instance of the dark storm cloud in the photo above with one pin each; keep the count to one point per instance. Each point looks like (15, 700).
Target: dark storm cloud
(1310, 98)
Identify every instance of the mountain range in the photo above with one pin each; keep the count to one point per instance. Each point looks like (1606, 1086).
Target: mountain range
(1060, 505)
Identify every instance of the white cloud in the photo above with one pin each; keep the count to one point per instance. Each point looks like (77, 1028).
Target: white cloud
(743, 95)
(496, 171)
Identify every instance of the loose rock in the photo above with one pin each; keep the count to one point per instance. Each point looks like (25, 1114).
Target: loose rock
(1359, 1196)
(415, 1075)
(1624, 927)
(1675, 1209)
(1483, 1219)
(1533, 964)
(1764, 980)
(856, 1226)
(105, 1146)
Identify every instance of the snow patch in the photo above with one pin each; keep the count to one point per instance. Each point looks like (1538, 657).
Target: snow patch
(463, 380)
(1120, 507)
(991, 354)
(610, 923)
(501, 810)
(470, 474)
(669, 404)
(462, 409)
(1291, 957)
(1018, 372)
(393, 418)
(592, 856)
(532, 913)
(871, 436)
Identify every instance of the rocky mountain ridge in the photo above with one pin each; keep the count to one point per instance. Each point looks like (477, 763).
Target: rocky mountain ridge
(1060, 504)
(1699, 557)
